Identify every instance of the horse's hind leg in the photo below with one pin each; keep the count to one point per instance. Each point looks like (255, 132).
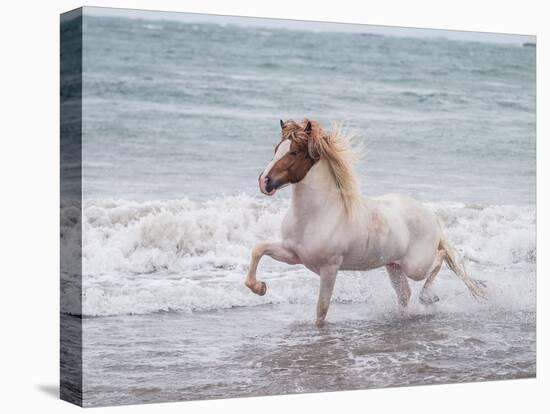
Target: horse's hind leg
(426, 298)
(400, 284)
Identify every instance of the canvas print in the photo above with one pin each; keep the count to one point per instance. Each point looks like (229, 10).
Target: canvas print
(255, 207)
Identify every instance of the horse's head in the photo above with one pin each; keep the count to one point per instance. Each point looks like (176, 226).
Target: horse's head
(294, 156)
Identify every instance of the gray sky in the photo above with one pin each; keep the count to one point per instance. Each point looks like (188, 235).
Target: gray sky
(312, 26)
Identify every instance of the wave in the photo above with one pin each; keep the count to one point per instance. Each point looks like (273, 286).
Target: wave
(185, 255)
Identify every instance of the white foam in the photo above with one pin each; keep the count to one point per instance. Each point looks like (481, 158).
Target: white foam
(183, 255)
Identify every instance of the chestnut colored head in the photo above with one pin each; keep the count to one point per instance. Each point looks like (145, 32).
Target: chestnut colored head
(294, 156)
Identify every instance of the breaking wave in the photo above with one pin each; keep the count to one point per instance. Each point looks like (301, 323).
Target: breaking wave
(185, 255)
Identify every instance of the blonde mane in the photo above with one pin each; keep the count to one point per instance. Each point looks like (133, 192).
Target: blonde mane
(334, 147)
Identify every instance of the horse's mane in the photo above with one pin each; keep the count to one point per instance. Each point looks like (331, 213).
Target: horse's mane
(334, 147)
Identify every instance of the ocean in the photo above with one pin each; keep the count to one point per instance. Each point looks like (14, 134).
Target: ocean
(178, 121)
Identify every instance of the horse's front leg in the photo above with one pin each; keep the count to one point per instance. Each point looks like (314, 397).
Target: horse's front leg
(328, 280)
(275, 250)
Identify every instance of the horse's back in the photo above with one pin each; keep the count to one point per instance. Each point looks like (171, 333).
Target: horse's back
(409, 215)
(418, 218)
(417, 224)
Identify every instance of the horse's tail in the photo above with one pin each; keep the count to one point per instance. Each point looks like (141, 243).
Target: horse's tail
(456, 264)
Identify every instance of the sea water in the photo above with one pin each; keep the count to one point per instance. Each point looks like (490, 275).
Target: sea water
(180, 118)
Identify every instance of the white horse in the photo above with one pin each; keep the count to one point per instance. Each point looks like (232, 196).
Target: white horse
(330, 226)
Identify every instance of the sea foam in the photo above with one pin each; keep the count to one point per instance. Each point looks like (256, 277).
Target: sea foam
(185, 255)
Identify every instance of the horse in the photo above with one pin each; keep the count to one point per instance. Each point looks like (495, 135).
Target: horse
(330, 226)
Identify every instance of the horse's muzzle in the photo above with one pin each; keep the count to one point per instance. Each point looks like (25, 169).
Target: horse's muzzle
(267, 185)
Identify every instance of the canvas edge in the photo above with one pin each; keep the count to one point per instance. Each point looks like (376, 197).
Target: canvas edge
(70, 94)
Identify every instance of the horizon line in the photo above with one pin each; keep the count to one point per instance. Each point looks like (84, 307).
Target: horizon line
(310, 25)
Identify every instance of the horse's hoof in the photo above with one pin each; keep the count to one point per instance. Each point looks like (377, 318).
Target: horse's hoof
(260, 288)
(404, 313)
(429, 300)
(263, 289)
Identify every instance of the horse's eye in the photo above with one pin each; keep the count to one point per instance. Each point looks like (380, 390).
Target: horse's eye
(294, 153)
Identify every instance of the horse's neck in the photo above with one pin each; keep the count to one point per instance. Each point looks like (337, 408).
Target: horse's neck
(317, 194)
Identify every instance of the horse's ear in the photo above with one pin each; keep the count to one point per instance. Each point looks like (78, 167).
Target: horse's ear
(307, 129)
(282, 123)
(313, 142)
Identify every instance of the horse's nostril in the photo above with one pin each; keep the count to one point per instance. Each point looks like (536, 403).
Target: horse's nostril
(267, 180)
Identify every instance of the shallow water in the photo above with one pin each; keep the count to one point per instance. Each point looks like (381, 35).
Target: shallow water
(277, 349)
